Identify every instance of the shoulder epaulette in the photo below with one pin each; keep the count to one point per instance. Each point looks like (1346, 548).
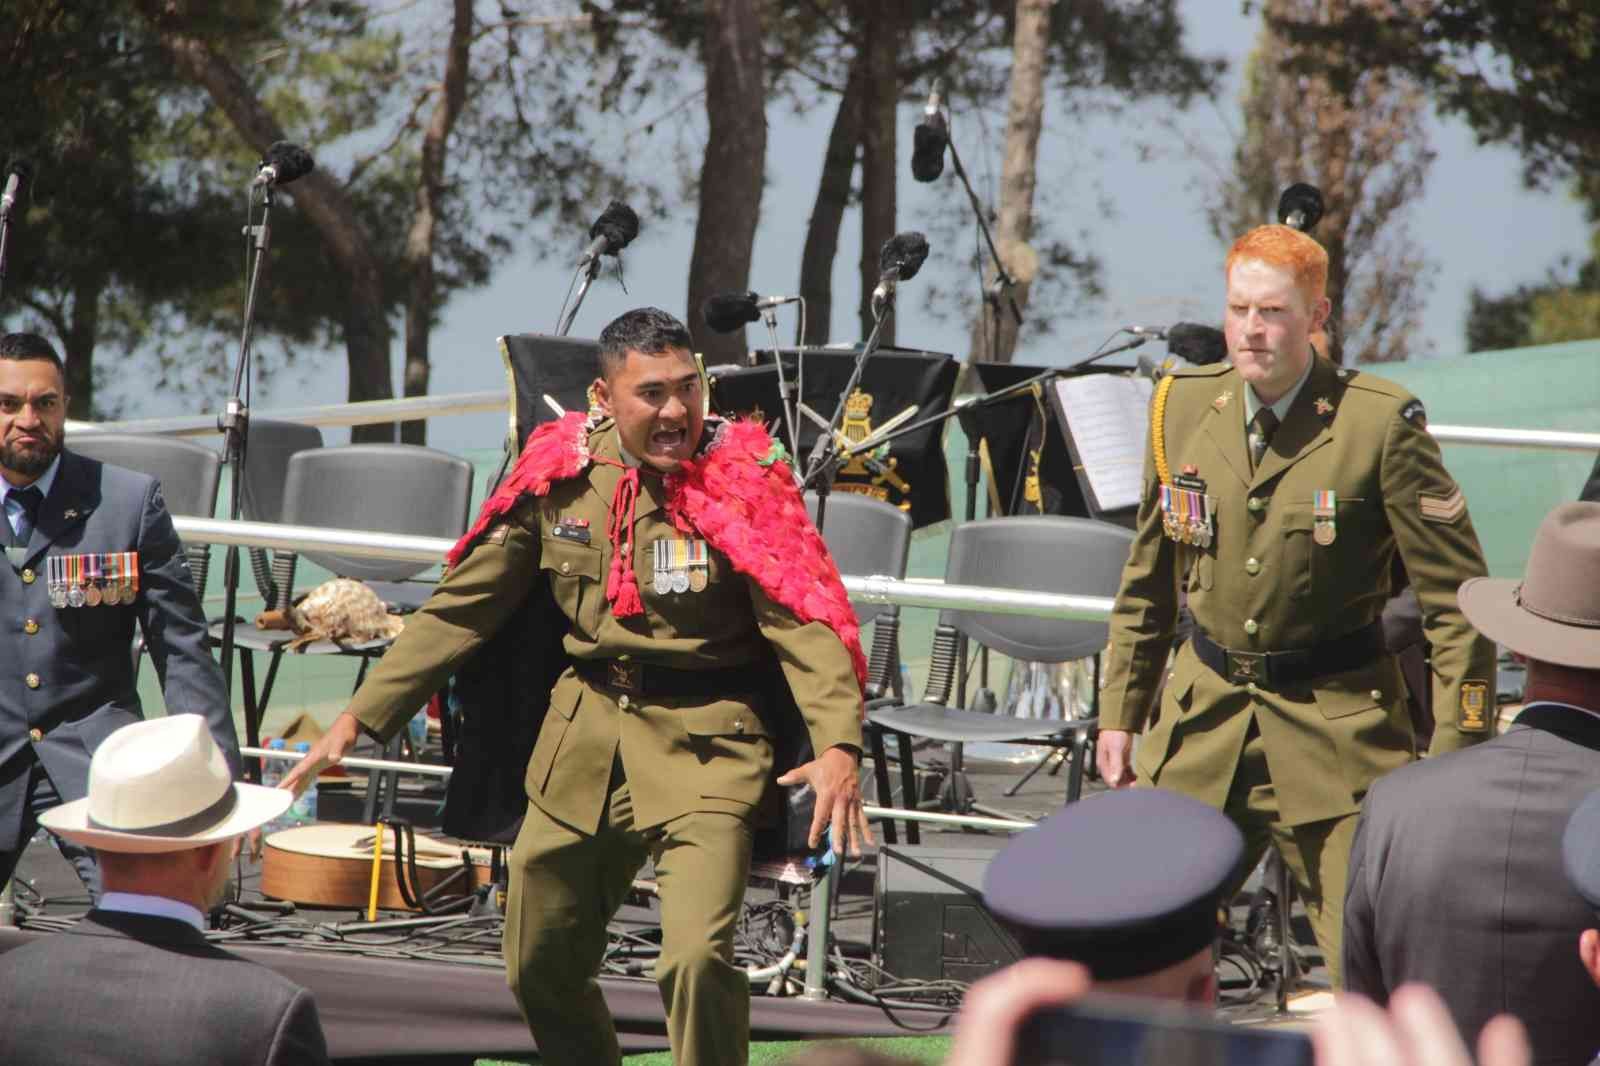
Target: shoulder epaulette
(1210, 371)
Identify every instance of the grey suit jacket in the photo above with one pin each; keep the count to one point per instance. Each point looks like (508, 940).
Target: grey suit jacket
(128, 989)
(1456, 880)
(72, 679)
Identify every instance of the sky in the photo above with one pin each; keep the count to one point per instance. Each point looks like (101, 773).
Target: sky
(1143, 217)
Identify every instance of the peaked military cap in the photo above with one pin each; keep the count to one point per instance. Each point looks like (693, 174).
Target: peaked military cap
(1126, 883)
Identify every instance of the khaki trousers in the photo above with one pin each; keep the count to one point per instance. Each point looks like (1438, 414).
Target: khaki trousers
(1316, 853)
(565, 886)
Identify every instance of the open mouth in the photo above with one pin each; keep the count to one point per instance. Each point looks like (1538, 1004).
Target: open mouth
(668, 439)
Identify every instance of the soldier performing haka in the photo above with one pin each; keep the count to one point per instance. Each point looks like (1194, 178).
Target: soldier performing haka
(680, 552)
(1277, 491)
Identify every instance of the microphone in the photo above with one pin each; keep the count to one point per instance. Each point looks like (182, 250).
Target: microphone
(1300, 206)
(730, 311)
(616, 227)
(1191, 342)
(929, 140)
(283, 163)
(899, 260)
(1197, 344)
(17, 178)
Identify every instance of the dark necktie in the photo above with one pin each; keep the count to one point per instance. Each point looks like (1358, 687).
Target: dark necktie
(30, 498)
(1262, 427)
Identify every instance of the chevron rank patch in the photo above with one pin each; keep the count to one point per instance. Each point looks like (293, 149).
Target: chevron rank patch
(1474, 716)
(1444, 509)
(1414, 413)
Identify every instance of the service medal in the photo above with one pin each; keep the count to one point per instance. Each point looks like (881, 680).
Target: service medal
(1325, 506)
(75, 596)
(698, 579)
(661, 582)
(680, 581)
(111, 595)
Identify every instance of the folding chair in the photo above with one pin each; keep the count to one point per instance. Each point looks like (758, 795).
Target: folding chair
(189, 474)
(866, 537)
(1039, 553)
(380, 488)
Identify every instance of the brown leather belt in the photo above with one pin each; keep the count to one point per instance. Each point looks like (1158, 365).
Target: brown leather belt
(1273, 670)
(663, 682)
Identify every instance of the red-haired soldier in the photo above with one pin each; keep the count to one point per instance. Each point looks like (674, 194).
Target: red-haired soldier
(1278, 488)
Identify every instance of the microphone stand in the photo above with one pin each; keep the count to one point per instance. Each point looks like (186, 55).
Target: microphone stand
(825, 455)
(5, 235)
(786, 392)
(1003, 281)
(588, 270)
(234, 423)
(968, 427)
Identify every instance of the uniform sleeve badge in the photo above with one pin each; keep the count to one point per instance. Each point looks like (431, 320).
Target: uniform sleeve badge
(1442, 509)
(1474, 716)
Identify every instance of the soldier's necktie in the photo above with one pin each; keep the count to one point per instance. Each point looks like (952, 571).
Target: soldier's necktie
(1262, 427)
(30, 498)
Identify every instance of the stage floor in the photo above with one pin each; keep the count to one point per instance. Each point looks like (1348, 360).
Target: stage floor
(394, 1005)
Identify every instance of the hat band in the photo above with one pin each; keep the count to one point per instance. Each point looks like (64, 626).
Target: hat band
(1552, 616)
(183, 826)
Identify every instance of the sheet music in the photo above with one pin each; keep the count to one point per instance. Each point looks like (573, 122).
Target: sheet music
(1108, 416)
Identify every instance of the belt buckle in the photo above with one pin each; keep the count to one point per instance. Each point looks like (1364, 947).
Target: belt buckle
(624, 675)
(1247, 668)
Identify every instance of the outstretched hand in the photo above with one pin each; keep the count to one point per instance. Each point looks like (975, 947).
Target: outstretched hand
(338, 740)
(834, 775)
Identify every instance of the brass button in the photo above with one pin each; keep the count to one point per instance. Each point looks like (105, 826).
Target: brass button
(32, 680)
(1250, 687)
(30, 627)
(738, 725)
(624, 702)
(1252, 566)
(36, 735)
(1251, 626)
(1377, 694)
(1255, 504)
(27, 576)
(566, 568)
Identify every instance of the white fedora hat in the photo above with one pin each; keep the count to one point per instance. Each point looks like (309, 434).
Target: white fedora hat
(163, 785)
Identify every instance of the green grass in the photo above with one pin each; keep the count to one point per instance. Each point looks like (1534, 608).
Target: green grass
(924, 1049)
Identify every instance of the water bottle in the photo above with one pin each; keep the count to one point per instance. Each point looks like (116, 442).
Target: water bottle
(303, 811)
(417, 728)
(272, 771)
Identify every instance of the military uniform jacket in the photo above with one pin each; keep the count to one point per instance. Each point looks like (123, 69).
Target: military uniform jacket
(66, 674)
(1266, 583)
(678, 755)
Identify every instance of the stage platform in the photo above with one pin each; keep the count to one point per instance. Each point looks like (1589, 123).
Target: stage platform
(400, 1001)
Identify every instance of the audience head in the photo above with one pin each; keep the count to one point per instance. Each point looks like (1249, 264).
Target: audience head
(163, 813)
(1125, 883)
(1580, 856)
(1550, 617)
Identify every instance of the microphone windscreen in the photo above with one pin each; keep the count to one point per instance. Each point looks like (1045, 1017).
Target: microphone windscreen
(289, 161)
(927, 153)
(730, 311)
(22, 169)
(1197, 344)
(1306, 199)
(617, 224)
(903, 253)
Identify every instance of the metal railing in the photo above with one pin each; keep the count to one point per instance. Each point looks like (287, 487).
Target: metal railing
(375, 411)
(872, 589)
(434, 770)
